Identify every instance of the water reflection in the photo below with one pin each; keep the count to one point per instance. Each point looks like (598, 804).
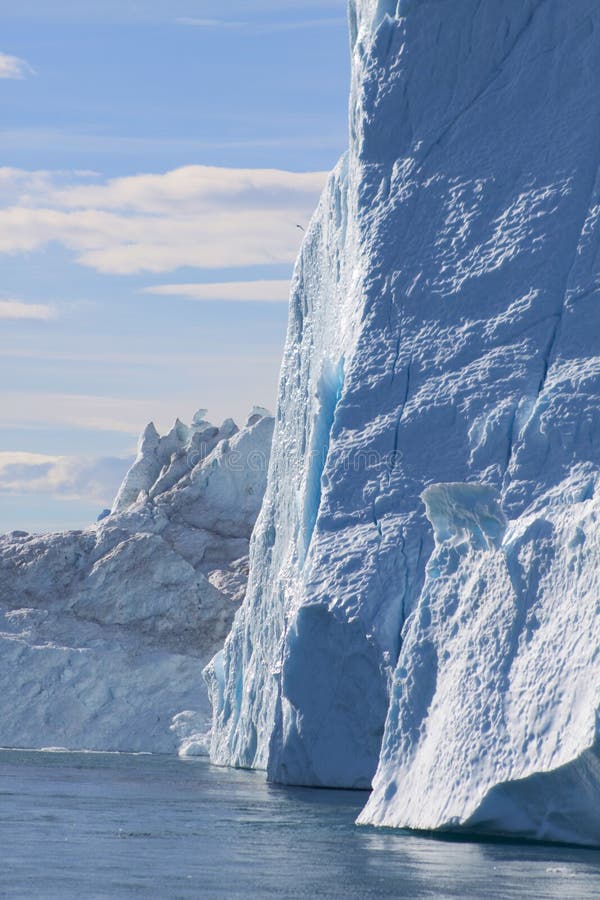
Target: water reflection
(127, 827)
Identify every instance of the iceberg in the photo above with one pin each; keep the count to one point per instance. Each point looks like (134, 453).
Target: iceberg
(443, 337)
(104, 632)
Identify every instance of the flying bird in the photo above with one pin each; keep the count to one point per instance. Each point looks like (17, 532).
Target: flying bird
(300, 227)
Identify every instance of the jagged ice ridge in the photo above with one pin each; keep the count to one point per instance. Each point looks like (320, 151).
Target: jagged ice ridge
(104, 632)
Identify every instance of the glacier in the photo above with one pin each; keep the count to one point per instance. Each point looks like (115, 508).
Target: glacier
(104, 632)
(442, 343)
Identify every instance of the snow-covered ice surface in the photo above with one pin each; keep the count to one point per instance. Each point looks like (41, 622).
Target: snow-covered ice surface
(104, 632)
(443, 331)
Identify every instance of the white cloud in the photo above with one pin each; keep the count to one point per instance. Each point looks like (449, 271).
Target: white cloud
(16, 309)
(14, 67)
(196, 216)
(66, 477)
(249, 291)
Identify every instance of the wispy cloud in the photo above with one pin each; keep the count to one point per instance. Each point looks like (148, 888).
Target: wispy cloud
(195, 216)
(156, 11)
(210, 23)
(253, 28)
(14, 67)
(231, 291)
(55, 139)
(123, 414)
(16, 309)
(67, 477)
(82, 411)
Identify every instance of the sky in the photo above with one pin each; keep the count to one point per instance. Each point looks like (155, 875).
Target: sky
(156, 158)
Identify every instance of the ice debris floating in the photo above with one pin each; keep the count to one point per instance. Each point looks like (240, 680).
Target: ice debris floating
(104, 632)
(444, 329)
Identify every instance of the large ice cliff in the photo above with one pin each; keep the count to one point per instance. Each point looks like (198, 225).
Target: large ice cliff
(104, 632)
(443, 335)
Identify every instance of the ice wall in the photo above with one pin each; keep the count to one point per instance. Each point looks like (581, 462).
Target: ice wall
(443, 329)
(493, 723)
(493, 718)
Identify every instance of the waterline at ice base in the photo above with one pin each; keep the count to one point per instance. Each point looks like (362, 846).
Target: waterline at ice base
(422, 606)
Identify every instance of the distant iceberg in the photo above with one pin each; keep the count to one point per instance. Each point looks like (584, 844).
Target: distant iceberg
(443, 336)
(104, 632)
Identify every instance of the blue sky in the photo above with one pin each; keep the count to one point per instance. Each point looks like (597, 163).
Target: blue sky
(156, 158)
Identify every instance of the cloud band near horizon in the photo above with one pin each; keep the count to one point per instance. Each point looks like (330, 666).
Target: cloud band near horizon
(65, 477)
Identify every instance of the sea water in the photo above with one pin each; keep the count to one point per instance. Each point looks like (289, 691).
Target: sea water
(76, 825)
